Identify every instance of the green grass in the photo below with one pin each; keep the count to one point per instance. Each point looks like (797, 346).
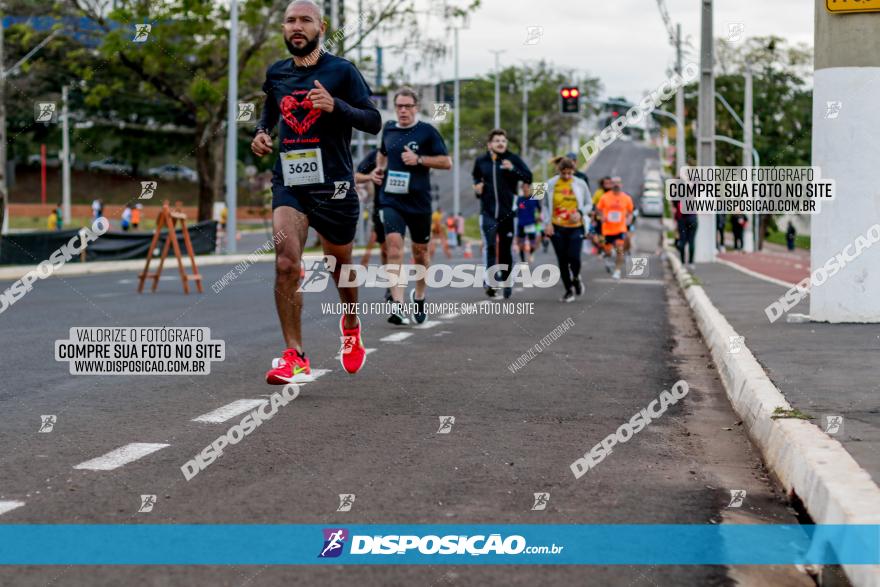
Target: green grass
(472, 227)
(39, 223)
(801, 241)
(780, 413)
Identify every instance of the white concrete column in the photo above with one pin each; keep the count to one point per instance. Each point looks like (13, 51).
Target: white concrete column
(846, 146)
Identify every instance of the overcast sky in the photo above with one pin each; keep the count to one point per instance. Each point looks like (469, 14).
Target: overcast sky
(623, 42)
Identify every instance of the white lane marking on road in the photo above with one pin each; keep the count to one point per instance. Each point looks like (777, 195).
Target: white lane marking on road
(8, 506)
(630, 280)
(339, 355)
(229, 411)
(742, 269)
(111, 295)
(396, 337)
(450, 316)
(319, 373)
(121, 456)
(429, 324)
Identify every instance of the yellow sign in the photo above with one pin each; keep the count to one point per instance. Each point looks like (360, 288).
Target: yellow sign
(852, 5)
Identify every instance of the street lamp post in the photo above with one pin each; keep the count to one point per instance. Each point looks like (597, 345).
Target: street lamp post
(232, 131)
(497, 53)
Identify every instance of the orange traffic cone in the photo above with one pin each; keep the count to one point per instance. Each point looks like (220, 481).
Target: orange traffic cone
(468, 254)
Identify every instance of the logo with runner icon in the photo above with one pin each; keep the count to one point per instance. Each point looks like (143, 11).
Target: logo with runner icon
(334, 542)
(541, 501)
(539, 190)
(737, 497)
(446, 423)
(833, 424)
(638, 267)
(346, 500)
(47, 423)
(316, 274)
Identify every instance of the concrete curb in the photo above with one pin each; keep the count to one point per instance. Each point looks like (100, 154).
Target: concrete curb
(809, 463)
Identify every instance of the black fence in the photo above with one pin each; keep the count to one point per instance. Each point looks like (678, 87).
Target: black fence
(31, 248)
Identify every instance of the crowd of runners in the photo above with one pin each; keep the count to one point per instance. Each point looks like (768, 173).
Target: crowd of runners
(316, 100)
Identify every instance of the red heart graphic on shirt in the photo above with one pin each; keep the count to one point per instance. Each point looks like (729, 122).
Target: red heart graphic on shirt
(289, 104)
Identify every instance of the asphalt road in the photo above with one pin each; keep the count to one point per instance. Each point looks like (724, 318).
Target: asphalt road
(375, 434)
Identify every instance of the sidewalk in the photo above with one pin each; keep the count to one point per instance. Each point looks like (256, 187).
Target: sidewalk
(783, 372)
(774, 261)
(822, 369)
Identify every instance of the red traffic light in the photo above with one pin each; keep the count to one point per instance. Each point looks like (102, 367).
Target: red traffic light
(566, 92)
(575, 93)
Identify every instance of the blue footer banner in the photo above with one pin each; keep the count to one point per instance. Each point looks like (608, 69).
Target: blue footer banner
(415, 544)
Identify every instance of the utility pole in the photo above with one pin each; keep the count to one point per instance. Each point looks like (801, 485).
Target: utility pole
(845, 121)
(360, 57)
(705, 247)
(525, 117)
(4, 192)
(497, 87)
(456, 165)
(65, 157)
(749, 241)
(680, 133)
(232, 132)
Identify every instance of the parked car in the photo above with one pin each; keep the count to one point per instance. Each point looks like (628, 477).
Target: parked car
(652, 203)
(170, 171)
(110, 165)
(52, 159)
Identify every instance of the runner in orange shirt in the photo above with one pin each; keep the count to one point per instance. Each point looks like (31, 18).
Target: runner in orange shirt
(615, 212)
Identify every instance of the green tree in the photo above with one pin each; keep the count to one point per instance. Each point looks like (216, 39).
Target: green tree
(183, 63)
(782, 100)
(548, 127)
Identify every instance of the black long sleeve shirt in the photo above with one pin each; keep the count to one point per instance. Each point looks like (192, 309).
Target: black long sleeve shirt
(302, 127)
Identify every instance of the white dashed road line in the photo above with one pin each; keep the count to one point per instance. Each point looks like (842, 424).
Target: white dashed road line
(429, 324)
(8, 506)
(229, 411)
(396, 337)
(121, 456)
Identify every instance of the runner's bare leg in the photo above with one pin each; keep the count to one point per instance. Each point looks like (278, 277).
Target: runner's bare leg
(294, 225)
(347, 295)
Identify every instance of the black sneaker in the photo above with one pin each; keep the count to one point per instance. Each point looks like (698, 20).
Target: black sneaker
(578, 287)
(419, 315)
(490, 291)
(567, 298)
(397, 318)
(508, 291)
(388, 297)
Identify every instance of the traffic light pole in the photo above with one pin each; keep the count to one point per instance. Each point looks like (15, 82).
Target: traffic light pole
(525, 119)
(680, 142)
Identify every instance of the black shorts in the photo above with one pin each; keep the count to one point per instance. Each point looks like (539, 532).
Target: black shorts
(521, 232)
(610, 239)
(334, 219)
(378, 227)
(419, 224)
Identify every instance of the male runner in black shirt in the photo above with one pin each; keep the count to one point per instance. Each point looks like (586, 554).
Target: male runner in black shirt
(408, 150)
(316, 99)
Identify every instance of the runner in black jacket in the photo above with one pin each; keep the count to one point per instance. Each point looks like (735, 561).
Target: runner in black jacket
(496, 176)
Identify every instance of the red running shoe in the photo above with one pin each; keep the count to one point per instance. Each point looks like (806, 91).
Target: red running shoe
(352, 355)
(291, 368)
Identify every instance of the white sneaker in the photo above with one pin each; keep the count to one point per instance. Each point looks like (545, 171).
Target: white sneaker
(616, 274)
